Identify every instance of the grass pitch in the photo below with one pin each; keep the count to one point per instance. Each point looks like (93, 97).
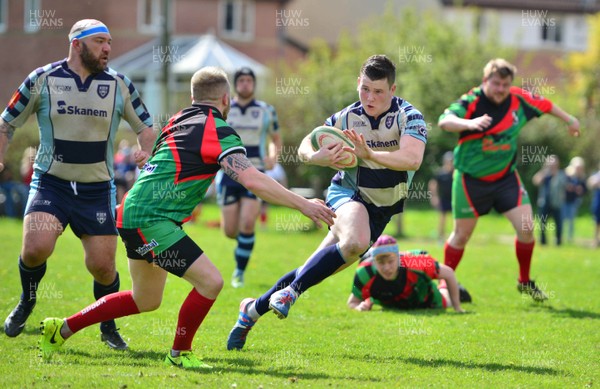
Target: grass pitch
(505, 341)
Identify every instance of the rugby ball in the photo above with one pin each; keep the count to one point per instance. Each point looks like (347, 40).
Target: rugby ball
(325, 135)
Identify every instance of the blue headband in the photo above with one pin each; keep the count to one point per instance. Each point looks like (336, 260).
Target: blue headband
(89, 32)
(388, 248)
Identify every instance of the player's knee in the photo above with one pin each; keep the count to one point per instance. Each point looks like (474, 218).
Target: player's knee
(103, 273)
(148, 303)
(231, 233)
(34, 254)
(215, 283)
(525, 236)
(210, 286)
(247, 226)
(355, 247)
(459, 239)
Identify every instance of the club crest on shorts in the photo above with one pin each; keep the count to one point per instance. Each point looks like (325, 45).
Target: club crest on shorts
(103, 90)
(101, 217)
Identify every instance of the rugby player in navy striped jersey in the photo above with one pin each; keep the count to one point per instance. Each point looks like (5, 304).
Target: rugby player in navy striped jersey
(389, 137)
(79, 103)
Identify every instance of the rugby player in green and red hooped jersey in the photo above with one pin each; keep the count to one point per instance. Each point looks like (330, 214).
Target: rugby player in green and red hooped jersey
(489, 119)
(190, 150)
(402, 280)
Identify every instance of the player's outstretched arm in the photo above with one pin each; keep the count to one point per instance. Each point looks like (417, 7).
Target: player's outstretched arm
(274, 151)
(358, 304)
(453, 123)
(240, 169)
(572, 122)
(6, 131)
(447, 274)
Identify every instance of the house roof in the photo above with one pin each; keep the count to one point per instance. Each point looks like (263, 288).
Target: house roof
(185, 54)
(571, 6)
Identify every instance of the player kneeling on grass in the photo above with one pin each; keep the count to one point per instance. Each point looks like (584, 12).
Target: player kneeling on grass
(402, 280)
(190, 150)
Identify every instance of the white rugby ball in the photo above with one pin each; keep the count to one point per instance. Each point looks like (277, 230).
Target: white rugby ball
(325, 135)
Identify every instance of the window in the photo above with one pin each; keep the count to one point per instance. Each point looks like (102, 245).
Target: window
(237, 19)
(3, 15)
(149, 14)
(552, 30)
(32, 16)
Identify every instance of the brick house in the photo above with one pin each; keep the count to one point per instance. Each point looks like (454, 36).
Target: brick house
(35, 31)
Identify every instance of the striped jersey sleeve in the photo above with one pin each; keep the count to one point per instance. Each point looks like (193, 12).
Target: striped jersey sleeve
(24, 100)
(412, 122)
(274, 119)
(134, 110)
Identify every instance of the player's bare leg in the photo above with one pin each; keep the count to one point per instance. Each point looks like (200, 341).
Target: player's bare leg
(521, 218)
(238, 221)
(148, 286)
(100, 261)
(100, 257)
(249, 212)
(230, 215)
(352, 230)
(461, 234)
(353, 233)
(40, 232)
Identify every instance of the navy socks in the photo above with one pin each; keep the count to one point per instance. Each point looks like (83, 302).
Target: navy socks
(320, 266)
(104, 290)
(30, 280)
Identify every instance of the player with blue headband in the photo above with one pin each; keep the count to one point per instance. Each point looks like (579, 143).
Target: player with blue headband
(86, 28)
(79, 103)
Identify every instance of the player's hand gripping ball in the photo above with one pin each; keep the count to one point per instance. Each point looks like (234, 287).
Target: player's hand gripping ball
(325, 135)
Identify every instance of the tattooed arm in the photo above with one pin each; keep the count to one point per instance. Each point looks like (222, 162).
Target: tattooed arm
(6, 132)
(240, 169)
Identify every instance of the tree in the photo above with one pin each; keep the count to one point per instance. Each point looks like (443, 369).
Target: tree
(582, 92)
(436, 61)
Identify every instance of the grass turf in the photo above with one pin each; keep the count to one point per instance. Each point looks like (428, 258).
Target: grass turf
(505, 341)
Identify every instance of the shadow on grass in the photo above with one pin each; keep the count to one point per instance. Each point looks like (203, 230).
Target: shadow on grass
(484, 366)
(433, 362)
(242, 365)
(570, 312)
(245, 366)
(413, 312)
(130, 358)
(30, 330)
